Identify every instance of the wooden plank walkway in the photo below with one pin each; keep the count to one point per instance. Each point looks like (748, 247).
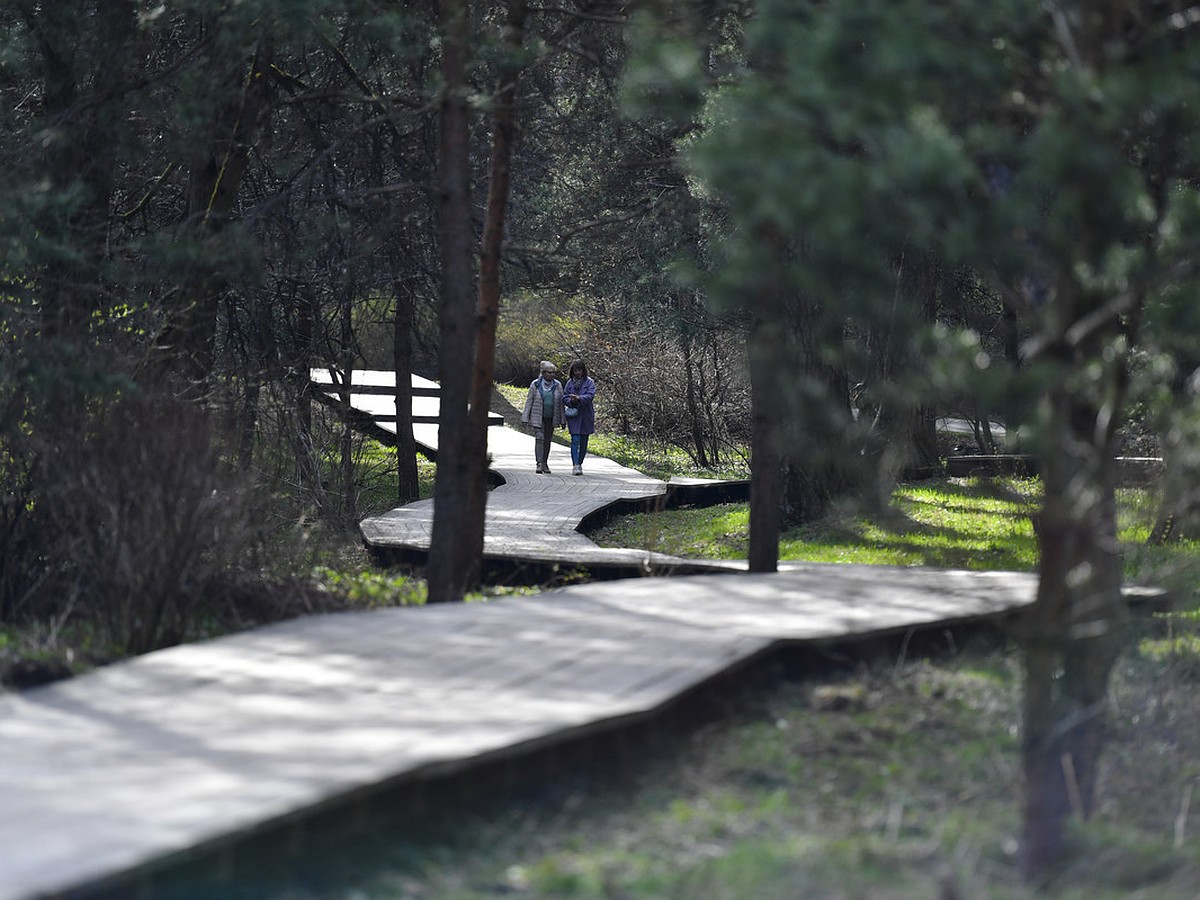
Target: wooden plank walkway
(531, 518)
(190, 746)
(146, 760)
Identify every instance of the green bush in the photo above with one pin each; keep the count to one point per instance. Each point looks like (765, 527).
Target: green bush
(534, 327)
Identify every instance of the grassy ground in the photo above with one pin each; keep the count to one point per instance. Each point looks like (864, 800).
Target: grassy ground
(894, 780)
(970, 523)
(973, 523)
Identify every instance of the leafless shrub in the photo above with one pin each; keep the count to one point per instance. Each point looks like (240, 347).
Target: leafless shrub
(140, 525)
(22, 571)
(687, 390)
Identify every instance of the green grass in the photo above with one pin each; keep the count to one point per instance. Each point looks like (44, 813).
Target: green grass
(660, 460)
(896, 780)
(375, 477)
(961, 523)
(514, 393)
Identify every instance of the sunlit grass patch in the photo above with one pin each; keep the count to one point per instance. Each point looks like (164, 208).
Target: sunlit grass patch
(662, 460)
(966, 523)
(908, 789)
(1174, 647)
(375, 479)
(971, 523)
(371, 589)
(906, 793)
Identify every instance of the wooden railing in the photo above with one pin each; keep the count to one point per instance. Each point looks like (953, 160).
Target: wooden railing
(329, 387)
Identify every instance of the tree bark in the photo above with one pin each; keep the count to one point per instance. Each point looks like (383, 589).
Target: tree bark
(407, 483)
(767, 398)
(766, 458)
(487, 312)
(189, 339)
(696, 415)
(454, 564)
(820, 463)
(1073, 630)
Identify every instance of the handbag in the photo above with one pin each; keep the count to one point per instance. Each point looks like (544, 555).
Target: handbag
(571, 410)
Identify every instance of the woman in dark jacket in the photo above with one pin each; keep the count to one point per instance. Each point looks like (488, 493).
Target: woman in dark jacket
(578, 394)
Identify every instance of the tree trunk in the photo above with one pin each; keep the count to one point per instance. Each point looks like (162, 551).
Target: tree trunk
(407, 483)
(696, 415)
(490, 258)
(307, 469)
(349, 506)
(766, 354)
(766, 459)
(454, 563)
(820, 464)
(83, 137)
(189, 340)
(1074, 629)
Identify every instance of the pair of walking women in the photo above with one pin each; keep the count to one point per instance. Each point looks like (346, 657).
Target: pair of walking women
(551, 404)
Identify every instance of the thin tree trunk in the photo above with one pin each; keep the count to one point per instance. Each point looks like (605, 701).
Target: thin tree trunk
(307, 470)
(766, 354)
(249, 420)
(407, 485)
(349, 505)
(766, 459)
(820, 464)
(454, 563)
(695, 414)
(491, 254)
(189, 341)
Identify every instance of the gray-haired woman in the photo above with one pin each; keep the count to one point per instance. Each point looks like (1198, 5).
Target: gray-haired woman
(544, 411)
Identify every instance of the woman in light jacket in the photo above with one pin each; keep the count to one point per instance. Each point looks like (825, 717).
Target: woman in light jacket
(579, 393)
(544, 411)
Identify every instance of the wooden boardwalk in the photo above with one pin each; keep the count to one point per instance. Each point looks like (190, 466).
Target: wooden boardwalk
(530, 518)
(146, 760)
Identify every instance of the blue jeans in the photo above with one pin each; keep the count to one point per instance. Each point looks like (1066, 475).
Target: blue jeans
(579, 444)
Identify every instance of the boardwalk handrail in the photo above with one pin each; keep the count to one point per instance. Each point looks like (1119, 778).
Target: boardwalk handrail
(329, 386)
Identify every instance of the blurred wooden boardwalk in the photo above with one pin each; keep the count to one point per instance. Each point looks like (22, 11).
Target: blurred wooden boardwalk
(141, 762)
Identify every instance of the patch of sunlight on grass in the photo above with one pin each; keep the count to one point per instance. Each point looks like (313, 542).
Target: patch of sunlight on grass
(661, 460)
(971, 523)
(958, 523)
(514, 394)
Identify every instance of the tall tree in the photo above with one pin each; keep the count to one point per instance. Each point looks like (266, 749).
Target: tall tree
(1040, 148)
(218, 164)
(85, 54)
(454, 562)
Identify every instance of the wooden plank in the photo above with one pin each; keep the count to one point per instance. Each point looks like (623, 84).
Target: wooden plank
(373, 390)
